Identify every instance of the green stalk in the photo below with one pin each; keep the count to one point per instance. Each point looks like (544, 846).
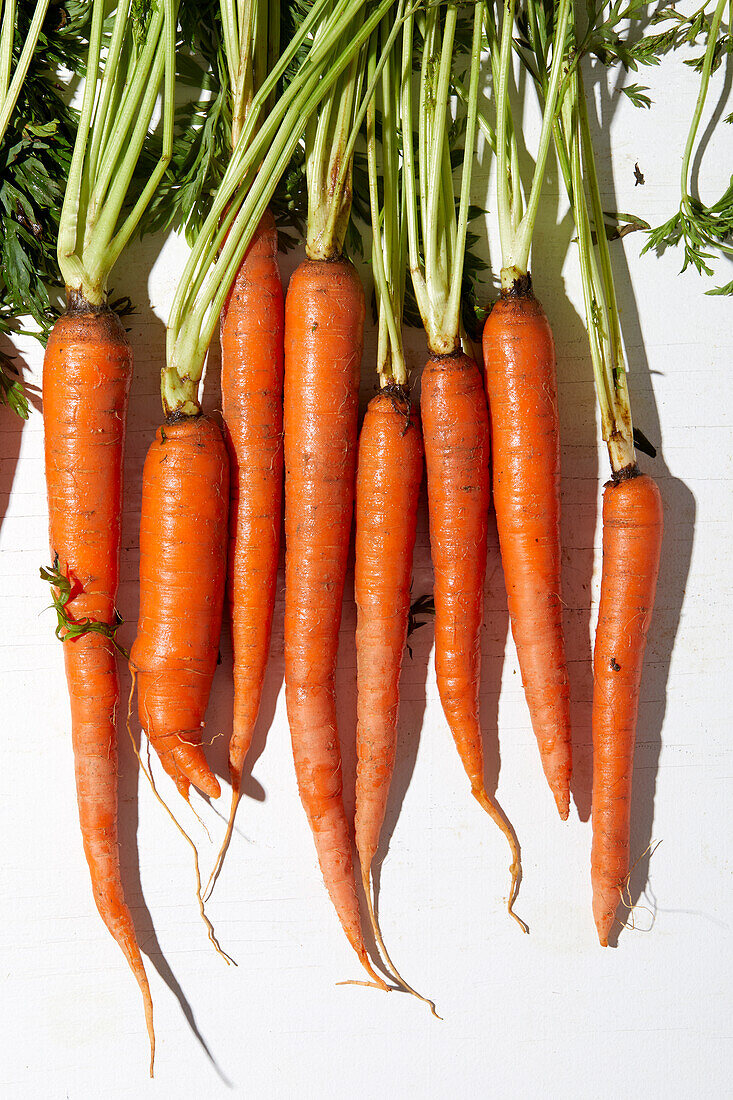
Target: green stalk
(10, 89)
(621, 438)
(114, 82)
(263, 152)
(117, 108)
(7, 38)
(435, 182)
(408, 153)
(255, 139)
(328, 163)
(388, 242)
(574, 146)
(515, 233)
(454, 301)
(431, 220)
(707, 69)
(346, 158)
(241, 64)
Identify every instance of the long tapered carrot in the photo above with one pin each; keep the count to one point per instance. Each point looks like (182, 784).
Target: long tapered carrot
(251, 383)
(388, 480)
(453, 403)
(519, 357)
(456, 431)
(632, 527)
(632, 541)
(86, 380)
(183, 537)
(324, 324)
(389, 472)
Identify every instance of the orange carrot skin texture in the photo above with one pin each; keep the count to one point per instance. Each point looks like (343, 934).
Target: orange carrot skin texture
(632, 541)
(183, 542)
(521, 384)
(324, 325)
(389, 472)
(252, 385)
(456, 432)
(86, 380)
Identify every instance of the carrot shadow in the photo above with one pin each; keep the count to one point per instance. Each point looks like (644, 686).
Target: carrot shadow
(146, 333)
(413, 696)
(680, 510)
(128, 818)
(11, 427)
(493, 652)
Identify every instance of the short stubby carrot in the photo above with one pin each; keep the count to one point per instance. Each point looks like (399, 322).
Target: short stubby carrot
(457, 450)
(324, 326)
(389, 473)
(183, 544)
(521, 384)
(632, 541)
(252, 384)
(86, 380)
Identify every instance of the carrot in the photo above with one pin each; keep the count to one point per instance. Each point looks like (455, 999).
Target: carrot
(388, 480)
(456, 429)
(453, 404)
(389, 473)
(86, 380)
(251, 383)
(519, 357)
(632, 527)
(266, 130)
(183, 534)
(632, 541)
(324, 326)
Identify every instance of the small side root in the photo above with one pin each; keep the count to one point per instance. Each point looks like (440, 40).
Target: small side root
(366, 881)
(149, 776)
(515, 869)
(209, 889)
(626, 899)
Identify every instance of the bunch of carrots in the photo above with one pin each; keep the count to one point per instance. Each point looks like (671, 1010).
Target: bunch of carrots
(387, 76)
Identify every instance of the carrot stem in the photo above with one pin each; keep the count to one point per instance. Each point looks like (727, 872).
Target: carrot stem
(246, 189)
(432, 224)
(117, 108)
(516, 232)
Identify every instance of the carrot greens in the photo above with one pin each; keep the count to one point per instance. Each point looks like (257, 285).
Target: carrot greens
(516, 224)
(702, 229)
(124, 75)
(36, 136)
(436, 234)
(332, 34)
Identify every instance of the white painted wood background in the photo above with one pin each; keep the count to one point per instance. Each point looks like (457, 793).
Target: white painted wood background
(548, 1015)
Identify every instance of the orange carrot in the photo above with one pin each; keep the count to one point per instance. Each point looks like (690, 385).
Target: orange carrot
(324, 325)
(86, 380)
(251, 385)
(519, 357)
(388, 480)
(632, 540)
(456, 430)
(183, 536)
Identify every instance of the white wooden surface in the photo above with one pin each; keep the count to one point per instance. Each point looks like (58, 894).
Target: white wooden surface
(547, 1015)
